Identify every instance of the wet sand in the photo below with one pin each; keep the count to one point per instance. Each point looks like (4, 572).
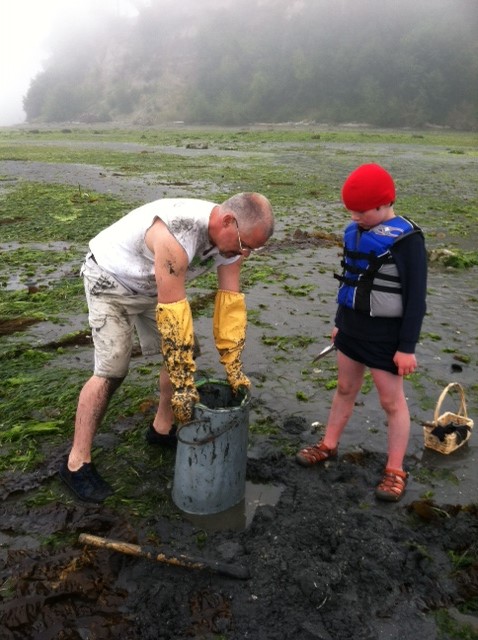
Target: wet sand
(326, 560)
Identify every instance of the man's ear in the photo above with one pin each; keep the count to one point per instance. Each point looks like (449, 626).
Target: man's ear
(228, 219)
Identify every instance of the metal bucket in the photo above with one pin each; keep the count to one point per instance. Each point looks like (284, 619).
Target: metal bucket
(211, 458)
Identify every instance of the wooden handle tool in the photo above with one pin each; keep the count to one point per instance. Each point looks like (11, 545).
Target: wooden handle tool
(180, 560)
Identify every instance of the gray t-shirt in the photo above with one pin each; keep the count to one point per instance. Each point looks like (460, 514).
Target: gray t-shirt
(121, 250)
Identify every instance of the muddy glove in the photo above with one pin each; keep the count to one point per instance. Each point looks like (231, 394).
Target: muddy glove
(229, 326)
(175, 324)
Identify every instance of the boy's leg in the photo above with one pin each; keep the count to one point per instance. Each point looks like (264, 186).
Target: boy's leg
(349, 383)
(393, 401)
(350, 377)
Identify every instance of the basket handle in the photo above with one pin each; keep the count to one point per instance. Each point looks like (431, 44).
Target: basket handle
(462, 409)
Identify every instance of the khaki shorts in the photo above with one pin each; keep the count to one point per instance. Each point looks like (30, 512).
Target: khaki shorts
(114, 313)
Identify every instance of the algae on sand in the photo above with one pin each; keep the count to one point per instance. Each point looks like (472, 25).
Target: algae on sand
(326, 560)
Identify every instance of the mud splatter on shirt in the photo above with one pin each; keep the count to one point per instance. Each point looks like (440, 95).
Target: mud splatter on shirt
(121, 250)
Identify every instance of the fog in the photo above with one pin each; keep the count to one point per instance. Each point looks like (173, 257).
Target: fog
(26, 27)
(392, 63)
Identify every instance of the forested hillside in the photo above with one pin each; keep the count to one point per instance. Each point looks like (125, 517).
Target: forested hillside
(389, 63)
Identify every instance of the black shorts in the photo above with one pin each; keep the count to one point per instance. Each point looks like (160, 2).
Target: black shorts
(375, 355)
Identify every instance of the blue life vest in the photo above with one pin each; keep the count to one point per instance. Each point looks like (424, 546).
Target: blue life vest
(370, 282)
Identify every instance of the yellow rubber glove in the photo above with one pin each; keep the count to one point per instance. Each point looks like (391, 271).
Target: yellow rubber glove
(175, 323)
(229, 327)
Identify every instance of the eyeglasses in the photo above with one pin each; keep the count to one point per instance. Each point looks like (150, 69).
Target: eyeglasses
(244, 247)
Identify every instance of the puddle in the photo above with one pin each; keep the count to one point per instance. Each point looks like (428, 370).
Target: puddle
(239, 517)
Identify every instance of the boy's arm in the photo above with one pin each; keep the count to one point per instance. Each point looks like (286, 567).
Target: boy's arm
(411, 259)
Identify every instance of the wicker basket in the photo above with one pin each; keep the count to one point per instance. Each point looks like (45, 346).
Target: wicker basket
(448, 431)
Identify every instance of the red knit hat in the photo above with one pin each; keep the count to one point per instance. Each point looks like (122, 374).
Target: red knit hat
(368, 187)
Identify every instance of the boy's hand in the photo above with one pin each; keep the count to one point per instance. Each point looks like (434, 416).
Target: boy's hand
(406, 363)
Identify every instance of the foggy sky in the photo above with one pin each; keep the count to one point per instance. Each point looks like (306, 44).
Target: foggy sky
(25, 27)
(28, 26)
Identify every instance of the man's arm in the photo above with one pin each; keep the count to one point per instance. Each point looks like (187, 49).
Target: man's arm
(174, 318)
(170, 262)
(228, 276)
(229, 323)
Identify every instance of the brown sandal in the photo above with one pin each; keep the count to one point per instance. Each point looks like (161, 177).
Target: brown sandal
(314, 454)
(393, 484)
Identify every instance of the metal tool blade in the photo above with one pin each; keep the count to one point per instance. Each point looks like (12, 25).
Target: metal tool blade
(324, 352)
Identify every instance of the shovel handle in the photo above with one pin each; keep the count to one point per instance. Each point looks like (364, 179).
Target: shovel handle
(232, 570)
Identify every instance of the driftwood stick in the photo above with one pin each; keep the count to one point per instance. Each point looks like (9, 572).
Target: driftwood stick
(180, 560)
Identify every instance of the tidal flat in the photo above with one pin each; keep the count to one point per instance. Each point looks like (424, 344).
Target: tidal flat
(59, 186)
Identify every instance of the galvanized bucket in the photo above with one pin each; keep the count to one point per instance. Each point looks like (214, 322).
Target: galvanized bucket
(211, 458)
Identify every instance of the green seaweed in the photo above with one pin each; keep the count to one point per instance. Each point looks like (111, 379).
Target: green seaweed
(45, 229)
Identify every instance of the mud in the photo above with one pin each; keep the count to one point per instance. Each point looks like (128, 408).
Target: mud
(327, 561)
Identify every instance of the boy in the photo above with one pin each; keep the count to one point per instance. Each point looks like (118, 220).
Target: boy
(381, 305)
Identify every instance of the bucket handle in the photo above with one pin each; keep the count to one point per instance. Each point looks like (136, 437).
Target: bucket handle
(199, 443)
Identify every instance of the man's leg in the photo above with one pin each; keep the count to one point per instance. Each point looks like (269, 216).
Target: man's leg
(164, 418)
(163, 432)
(78, 472)
(92, 405)
(150, 340)
(111, 314)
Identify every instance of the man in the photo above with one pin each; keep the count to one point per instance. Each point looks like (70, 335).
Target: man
(135, 278)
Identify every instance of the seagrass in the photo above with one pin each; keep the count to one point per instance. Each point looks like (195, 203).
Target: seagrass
(450, 442)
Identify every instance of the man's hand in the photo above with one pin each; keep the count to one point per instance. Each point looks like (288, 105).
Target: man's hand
(236, 378)
(175, 325)
(229, 325)
(182, 403)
